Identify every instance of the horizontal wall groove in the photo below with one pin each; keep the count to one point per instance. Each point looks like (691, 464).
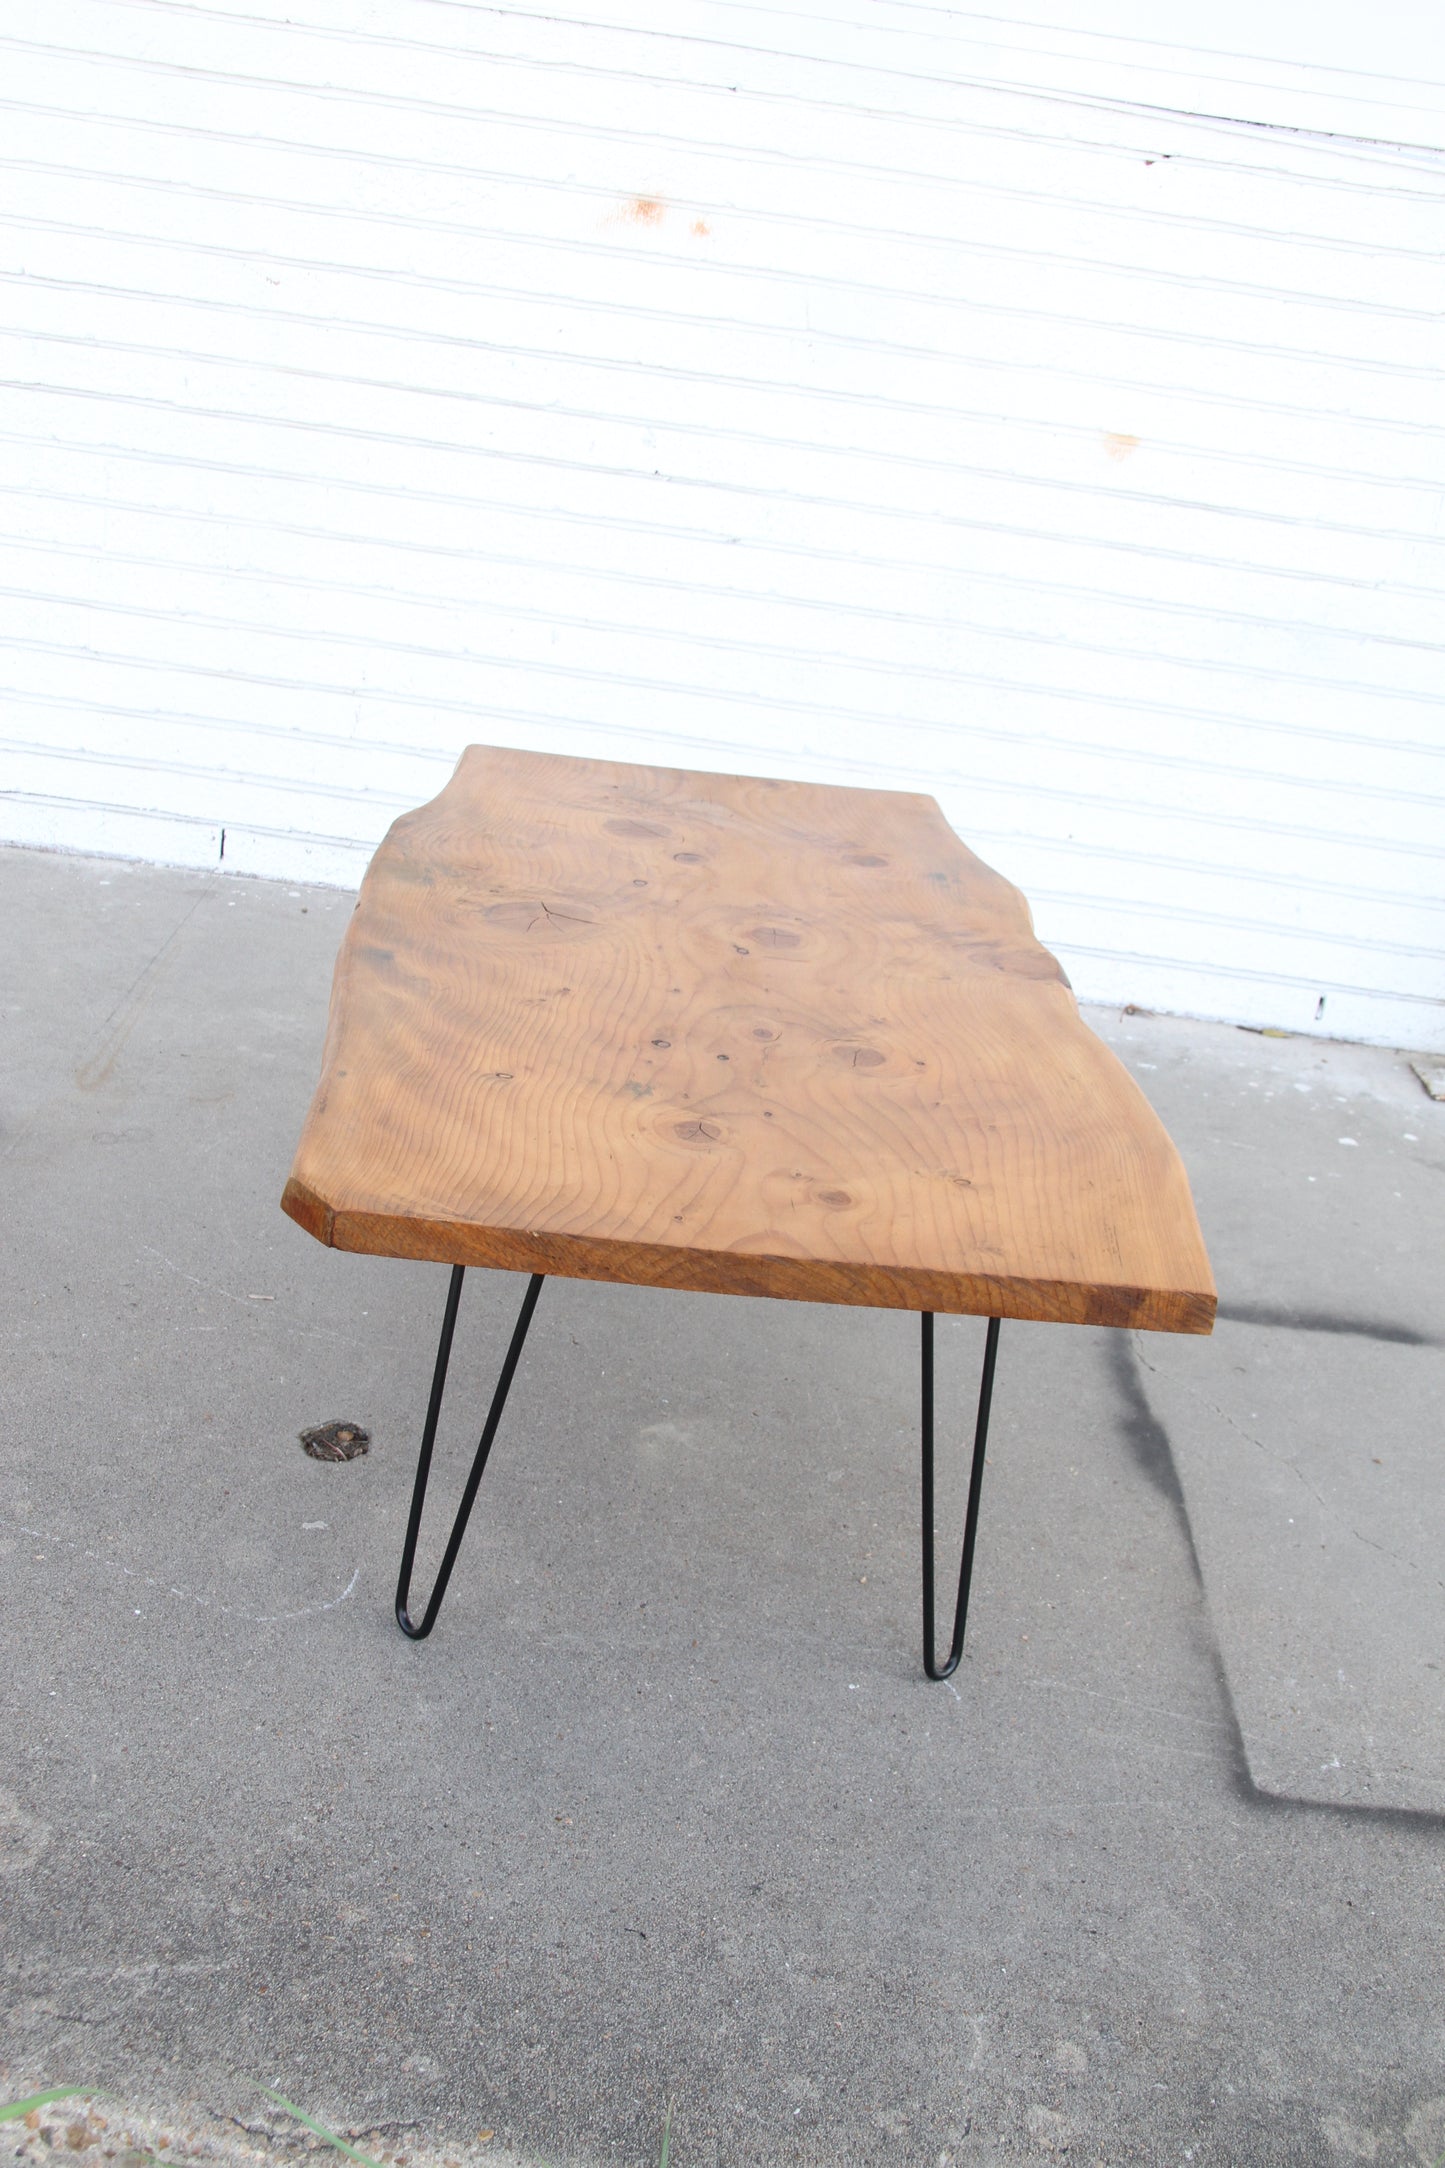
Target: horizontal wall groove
(438, 282)
(1189, 123)
(222, 778)
(877, 402)
(728, 267)
(955, 17)
(1187, 966)
(1155, 605)
(773, 702)
(1276, 929)
(1111, 38)
(936, 778)
(1063, 644)
(391, 101)
(712, 484)
(963, 676)
(1182, 222)
(551, 21)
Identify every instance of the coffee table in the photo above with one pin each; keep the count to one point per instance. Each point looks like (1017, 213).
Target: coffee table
(733, 1034)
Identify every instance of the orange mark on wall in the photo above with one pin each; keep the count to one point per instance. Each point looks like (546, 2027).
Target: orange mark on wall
(700, 226)
(1117, 445)
(644, 211)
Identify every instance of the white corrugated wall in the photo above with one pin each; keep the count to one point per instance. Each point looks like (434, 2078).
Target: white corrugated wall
(1042, 416)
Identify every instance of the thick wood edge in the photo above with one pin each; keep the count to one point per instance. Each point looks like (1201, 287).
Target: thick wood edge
(728, 1273)
(306, 1208)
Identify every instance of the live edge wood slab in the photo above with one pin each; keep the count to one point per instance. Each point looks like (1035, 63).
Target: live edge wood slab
(745, 1036)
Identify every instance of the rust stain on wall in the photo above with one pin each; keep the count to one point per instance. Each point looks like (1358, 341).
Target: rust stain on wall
(1118, 445)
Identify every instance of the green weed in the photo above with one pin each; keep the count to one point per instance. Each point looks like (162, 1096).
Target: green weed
(14, 2108)
(320, 2128)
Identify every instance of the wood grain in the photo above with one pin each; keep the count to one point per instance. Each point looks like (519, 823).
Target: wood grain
(718, 1032)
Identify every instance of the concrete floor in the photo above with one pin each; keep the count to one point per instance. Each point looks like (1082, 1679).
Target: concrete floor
(665, 1810)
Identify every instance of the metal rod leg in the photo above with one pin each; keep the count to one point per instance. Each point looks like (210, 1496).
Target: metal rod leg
(418, 1631)
(934, 1669)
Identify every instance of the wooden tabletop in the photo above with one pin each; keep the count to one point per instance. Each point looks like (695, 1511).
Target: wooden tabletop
(717, 1032)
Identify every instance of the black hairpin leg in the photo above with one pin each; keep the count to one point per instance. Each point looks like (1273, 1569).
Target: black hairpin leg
(931, 1665)
(418, 1630)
